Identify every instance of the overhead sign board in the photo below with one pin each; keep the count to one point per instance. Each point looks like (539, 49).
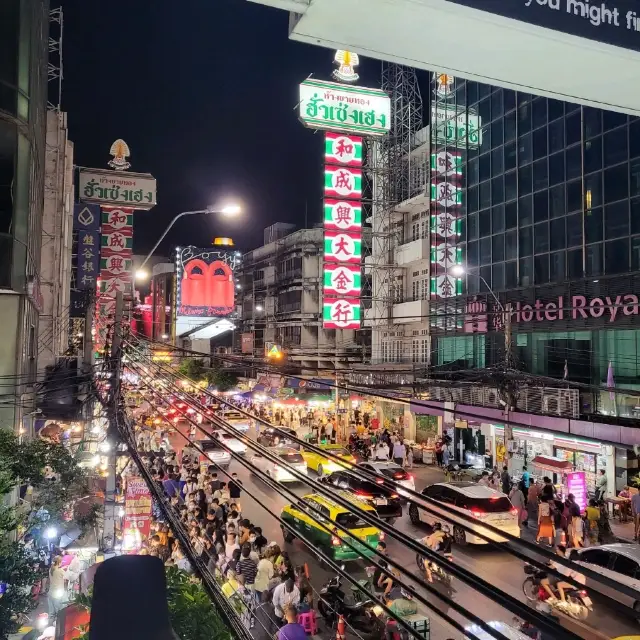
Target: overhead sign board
(338, 107)
(115, 188)
(613, 22)
(563, 49)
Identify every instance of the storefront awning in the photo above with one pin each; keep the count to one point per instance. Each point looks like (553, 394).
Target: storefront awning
(557, 465)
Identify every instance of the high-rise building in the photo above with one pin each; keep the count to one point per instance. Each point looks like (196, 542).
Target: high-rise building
(539, 204)
(23, 99)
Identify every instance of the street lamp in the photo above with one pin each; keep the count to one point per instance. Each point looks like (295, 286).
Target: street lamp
(259, 307)
(458, 271)
(227, 210)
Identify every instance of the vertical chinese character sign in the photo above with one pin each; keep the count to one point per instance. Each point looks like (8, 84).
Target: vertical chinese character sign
(342, 231)
(446, 210)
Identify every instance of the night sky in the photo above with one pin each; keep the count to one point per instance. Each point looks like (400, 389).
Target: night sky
(204, 93)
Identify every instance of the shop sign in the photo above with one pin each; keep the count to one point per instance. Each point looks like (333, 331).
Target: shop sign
(333, 106)
(446, 286)
(118, 219)
(246, 342)
(136, 525)
(616, 23)
(133, 190)
(446, 255)
(342, 149)
(342, 182)
(346, 61)
(342, 280)
(86, 217)
(342, 215)
(578, 307)
(88, 259)
(343, 313)
(342, 247)
(577, 485)
(457, 128)
(446, 225)
(115, 265)
(117, 241)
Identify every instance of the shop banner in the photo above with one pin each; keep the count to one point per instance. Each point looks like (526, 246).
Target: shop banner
(86, 217)
(342, 280)
(341, 314)
(341, 149)
(88, 259)
(342, 247)
(136, 525)
(577, 485)
(342, 182)
(342, 215)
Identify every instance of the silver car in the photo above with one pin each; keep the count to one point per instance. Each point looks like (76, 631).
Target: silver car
(620, 562)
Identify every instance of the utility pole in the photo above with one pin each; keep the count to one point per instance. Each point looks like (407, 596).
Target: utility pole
(109, 530)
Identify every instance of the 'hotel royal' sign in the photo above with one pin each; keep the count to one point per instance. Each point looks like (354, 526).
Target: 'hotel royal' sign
(117, 188)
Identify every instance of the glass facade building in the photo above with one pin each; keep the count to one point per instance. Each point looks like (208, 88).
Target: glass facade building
(552, 199)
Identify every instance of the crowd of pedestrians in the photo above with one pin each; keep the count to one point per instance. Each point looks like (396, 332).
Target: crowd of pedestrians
(258, 578)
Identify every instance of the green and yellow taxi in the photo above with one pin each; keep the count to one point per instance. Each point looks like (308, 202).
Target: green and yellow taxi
(314, 517)
(322, 464)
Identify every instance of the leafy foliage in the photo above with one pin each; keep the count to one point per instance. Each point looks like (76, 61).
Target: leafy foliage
(192, 615)
(195, 369)
(24, 463)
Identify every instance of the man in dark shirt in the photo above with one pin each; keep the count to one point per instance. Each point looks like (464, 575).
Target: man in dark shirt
(247, 566)
(171, 485)
(234, 488)
(214, 483)
(382, 582)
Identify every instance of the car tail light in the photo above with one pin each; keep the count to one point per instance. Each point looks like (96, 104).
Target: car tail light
(394, 496)
(379, 481)
(477, 513)
(335, 541)
(362, 494)
(514, 511)
(400, 476)
(583, 593)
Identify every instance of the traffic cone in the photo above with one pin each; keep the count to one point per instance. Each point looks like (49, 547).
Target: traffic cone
(340, 629)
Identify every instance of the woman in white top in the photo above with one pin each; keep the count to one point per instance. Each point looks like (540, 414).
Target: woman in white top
(231, 545)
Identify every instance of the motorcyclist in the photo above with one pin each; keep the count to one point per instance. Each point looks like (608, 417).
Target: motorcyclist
(434, 542)
(551, 581)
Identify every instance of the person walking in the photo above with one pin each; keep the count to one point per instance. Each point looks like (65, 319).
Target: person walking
(399, 452)
(575, 521)
(382, 452)
(635, 511)
(438, 450)
(409, 456)
(601, 485)
(532, 502)
(545, 522)
(518, 501)
(505, 480)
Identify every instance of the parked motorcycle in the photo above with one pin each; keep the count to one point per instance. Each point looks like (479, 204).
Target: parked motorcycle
(577, 603)
(358, 615)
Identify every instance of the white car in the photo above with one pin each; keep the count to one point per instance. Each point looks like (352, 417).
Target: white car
(276, 471)
(236, 419)
(236, 445)
(619, 562)
(392, 475)
(476, 504)
(214, 454)
(478, 633)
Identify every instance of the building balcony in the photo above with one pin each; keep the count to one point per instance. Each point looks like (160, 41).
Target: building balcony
(412, 252)
(409, 312)
(416, 204)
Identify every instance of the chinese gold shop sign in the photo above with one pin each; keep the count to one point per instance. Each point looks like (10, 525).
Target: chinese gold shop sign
(117, 189)
(333, 106)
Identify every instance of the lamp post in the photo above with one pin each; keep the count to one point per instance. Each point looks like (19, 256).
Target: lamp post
(229, 210)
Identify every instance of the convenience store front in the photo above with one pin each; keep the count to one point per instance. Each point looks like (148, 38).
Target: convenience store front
(585, 455)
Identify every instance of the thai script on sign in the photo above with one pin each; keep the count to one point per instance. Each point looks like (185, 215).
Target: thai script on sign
(92, 189)
(327, 105)
(136, 191)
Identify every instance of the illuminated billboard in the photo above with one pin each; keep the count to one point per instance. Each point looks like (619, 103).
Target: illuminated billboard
(205, 283)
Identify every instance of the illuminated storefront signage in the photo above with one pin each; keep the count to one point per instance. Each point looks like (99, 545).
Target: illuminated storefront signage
(342, 246)
(343, 313)
(334, 106)
(577, 485)
(115, 188)
(342, 280)
(342, 182)
(342, 215)
(342, 149)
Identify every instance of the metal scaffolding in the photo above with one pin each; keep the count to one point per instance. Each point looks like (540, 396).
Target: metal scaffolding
(391, 172)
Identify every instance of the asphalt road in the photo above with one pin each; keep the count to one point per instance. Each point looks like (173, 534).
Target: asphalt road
(496, 566)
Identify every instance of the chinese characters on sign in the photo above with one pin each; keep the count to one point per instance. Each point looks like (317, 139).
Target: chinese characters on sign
(333, 106)
(343, 313)
(88, 260)
(342, 231)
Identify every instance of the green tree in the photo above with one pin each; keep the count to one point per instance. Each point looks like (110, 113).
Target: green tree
(191, 613)
(26, 463)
